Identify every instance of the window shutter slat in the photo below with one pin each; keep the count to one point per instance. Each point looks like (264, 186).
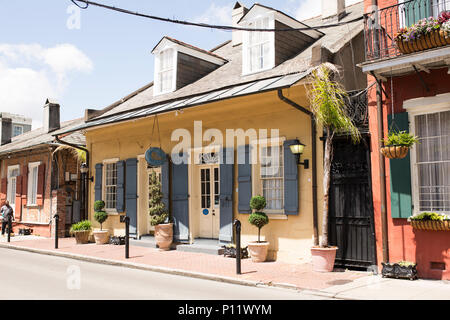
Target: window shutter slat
(40, 185)
(98, 181)
(400, 175)
(165, 183)
(120, 189)
(24, 184)
(226, 195)
(131, 193)
(4, 186)
(18, 209)
(244, 179)
(290, 179)
(180, 201)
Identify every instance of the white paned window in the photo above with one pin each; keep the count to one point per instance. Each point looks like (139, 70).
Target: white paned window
(165, 78)
(13, 173)
(18, 130)
(32, 183)
(110, 185)
(272, 177)
(259, 48)
(432, 160)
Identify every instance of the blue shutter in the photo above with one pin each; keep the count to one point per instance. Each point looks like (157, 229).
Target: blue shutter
(165, 182)
(400, 175)
(120, 190)
(98, 181)
(244, 179)
(290, 179)
(180, 201)
(131, 193)
(226, 195)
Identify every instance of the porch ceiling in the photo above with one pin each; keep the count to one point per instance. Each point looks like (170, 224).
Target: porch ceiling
(404, 64)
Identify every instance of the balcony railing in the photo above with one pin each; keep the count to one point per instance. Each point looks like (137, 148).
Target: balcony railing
(382, 25)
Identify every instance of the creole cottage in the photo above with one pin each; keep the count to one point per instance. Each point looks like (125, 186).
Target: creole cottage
(40, 178)
(237, 98)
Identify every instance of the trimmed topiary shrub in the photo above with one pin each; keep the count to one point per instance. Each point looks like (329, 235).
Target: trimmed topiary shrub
(258, 219)
(157, 210)
(100, 215)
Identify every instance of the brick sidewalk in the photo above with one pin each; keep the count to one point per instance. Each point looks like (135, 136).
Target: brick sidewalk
(298, 275)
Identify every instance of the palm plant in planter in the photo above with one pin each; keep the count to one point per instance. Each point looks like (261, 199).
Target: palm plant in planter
(327, 100)
(159, 217)
(258, 250)
(101, 236)
(81, 230)
(397, 144)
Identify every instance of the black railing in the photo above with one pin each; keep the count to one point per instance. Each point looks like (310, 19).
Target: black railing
(382, 25)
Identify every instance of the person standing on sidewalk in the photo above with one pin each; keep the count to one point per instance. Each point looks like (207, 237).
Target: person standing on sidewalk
(6, 212)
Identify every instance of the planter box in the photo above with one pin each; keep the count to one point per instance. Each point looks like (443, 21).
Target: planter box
(432, 40)
(394, 270)
(431, 225)
(231, 252)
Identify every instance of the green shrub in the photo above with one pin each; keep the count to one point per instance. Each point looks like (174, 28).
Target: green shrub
(99, 205)
(430, 216)
(400, 138)
(84, 225)
(157, 210)
(258, 203)
(100, 217)
(405, 263)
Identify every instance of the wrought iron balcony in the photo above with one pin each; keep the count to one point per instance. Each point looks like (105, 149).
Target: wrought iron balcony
(382, 25)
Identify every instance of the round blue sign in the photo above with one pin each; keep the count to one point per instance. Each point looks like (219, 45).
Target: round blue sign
(205, 212)
(155, 157)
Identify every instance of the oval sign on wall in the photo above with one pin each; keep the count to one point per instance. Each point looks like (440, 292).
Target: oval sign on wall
(155, 157)
(205, 212)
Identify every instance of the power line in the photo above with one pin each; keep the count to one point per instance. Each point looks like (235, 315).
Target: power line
(206, 25)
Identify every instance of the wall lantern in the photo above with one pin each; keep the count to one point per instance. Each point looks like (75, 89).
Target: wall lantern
(297, 150)
(85, 169)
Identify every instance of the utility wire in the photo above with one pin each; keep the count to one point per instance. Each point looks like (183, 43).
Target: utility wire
(206, 25)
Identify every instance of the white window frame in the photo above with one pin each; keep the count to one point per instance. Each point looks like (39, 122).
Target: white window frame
(32, 187)
(11, 197)
(157, 87)
(417, 107)
(246, 57)
(112, 211)
(257, 184)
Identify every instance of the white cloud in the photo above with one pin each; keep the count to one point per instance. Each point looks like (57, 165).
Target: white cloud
(30, 73)
(216, 15)
(312, 8)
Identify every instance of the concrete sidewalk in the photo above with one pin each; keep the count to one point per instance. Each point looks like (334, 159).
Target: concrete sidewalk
(342, 285)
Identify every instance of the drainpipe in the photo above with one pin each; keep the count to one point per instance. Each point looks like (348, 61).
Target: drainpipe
(86, 189)
(314, 160)
(382, 170)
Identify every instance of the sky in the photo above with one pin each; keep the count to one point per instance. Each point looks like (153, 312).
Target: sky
(88, 59)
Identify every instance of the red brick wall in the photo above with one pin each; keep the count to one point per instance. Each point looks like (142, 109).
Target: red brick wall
(422, 247)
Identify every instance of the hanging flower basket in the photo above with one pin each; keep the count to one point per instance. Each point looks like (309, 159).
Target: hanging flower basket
(395, 152)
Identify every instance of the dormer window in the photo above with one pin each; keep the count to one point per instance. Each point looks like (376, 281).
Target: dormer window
(258, 51)
(165, 71)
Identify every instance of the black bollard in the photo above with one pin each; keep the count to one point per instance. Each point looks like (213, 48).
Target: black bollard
(9, 228)
(56, 216)
(127, 237)
(237, 224)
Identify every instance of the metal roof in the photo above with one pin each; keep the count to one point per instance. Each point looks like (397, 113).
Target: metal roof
(253, 87)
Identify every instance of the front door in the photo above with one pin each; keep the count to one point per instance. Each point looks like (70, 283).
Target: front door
(209, 201)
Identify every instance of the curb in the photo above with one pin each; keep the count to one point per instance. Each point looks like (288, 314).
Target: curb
(140, 266)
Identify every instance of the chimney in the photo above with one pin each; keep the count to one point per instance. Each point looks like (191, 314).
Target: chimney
(333, 9)
(51, 116)
(6, 130)
(238, 12)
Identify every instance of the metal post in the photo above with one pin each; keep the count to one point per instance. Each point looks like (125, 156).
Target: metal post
(237, 224)
(56, 216)
(82, 195)
(127, 237)
(9, 228)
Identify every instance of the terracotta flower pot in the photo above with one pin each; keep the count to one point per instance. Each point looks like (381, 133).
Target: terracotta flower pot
(323, 258)
(395, 152)
(164, 236)
(101, 236)
(258, 251)
(82, 237)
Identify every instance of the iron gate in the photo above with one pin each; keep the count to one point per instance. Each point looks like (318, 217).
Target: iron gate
(351, 210)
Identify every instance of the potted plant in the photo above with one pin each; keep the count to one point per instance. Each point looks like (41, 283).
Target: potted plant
(402, 270)
(327, 101)
(397, 144)
(81, 230)
(430, 221)
(258, 250)
(159, 217)
(101, 236)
